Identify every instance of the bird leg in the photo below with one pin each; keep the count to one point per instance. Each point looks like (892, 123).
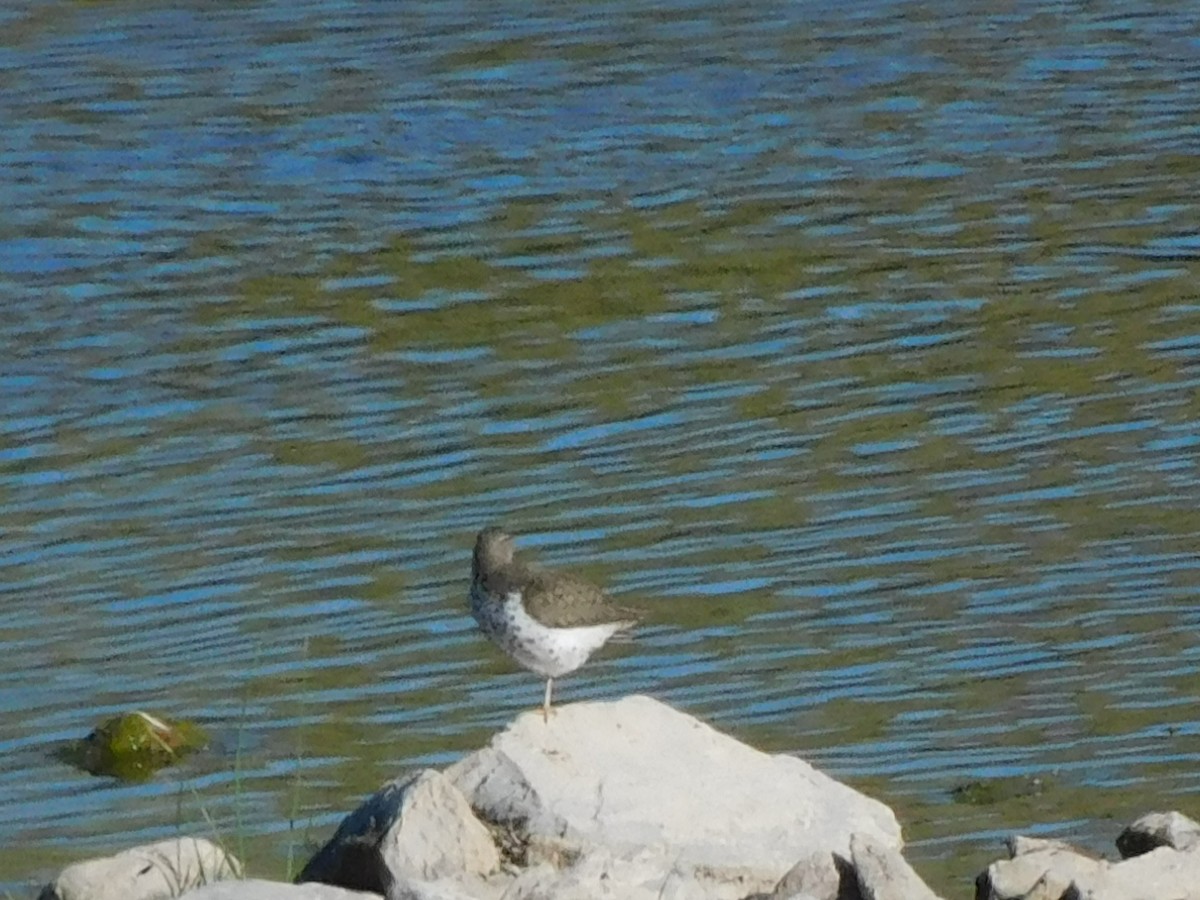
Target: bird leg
(546, 702)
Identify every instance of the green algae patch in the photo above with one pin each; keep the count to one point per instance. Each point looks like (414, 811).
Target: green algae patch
(997, 790)
(134, 746)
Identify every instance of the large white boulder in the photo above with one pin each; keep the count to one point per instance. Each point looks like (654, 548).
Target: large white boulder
(635, 775)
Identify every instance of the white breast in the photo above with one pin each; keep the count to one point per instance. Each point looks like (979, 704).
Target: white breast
(549, 651)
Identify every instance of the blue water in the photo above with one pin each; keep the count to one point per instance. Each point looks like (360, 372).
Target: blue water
(857, 346)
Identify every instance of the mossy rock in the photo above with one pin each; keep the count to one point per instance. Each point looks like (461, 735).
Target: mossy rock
(134, 746)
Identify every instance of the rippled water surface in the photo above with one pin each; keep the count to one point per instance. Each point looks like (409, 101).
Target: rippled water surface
(857, 344)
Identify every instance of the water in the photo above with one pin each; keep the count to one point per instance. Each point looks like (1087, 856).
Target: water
(859, 347)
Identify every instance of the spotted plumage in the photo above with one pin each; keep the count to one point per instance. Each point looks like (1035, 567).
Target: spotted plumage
(548, 622)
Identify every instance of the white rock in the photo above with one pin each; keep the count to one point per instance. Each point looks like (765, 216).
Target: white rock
(1162, 874)
(1020, 844)
(151, 871)
(632, 875)
(819, 876)
(883, 874)
(1044, 872)
(255, 889)
(636, 774)
(418, 828)
(448, 889)
(1051, 870)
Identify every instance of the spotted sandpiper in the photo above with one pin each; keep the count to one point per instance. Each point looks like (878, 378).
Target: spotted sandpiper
(549, 622)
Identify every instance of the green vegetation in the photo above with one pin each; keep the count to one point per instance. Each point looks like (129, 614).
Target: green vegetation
(134, 746)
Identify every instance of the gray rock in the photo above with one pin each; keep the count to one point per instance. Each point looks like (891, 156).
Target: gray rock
(414, 829)
(1169, 829)
(635, 774)
(149, 872)
(883, 874)
(255, 889)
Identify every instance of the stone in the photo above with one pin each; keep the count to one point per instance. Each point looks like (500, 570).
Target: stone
(415, 829)
(1020, 844)
(626, 875)
(883, 874)
(133, 746)
(151, 871)
(1156, 829)
(446, 889)
(635, 774)
(1162, 862)
(256, 889)
(1039, 873)
(1162, 874)
(819, 876)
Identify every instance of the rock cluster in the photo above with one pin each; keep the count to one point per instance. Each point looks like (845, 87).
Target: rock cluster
(637, 801)
(1160, 861)
(627, 799)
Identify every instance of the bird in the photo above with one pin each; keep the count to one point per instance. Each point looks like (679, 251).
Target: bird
(548, 622)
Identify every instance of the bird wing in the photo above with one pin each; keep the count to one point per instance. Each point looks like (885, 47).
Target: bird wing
(563, 601)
